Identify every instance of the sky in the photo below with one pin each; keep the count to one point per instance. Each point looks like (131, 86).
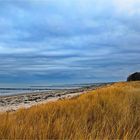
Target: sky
(68, 41)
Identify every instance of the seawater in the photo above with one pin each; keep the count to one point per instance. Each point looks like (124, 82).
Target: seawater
(33, 89)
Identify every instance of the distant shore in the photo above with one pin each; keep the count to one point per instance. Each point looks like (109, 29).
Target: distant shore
(10, 103)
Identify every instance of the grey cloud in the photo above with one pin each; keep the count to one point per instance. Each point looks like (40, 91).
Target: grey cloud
(57, 41)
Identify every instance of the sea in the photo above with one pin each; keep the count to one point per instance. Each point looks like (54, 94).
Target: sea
(4, 91)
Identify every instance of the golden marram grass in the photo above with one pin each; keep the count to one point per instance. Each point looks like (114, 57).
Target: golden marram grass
(112, 112)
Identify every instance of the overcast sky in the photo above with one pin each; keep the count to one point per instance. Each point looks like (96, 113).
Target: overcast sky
(68, 41)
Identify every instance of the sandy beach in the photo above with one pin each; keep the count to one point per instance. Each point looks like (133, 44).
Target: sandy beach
(13, 102)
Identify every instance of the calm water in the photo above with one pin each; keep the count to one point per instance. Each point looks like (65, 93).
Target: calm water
(31, 89)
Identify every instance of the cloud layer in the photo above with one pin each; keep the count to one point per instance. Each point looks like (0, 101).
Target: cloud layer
(59, 41)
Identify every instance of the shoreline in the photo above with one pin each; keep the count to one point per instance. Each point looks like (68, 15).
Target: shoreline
(28, 104)
(11, 103)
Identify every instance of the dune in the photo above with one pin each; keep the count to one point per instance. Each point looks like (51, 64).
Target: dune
(111, 112)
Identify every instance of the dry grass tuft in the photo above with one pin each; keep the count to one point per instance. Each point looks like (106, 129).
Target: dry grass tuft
(112, 112)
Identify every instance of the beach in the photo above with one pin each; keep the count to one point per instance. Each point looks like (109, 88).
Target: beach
(10, 103)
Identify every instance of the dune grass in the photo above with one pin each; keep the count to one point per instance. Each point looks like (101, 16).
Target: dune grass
(112, 112)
